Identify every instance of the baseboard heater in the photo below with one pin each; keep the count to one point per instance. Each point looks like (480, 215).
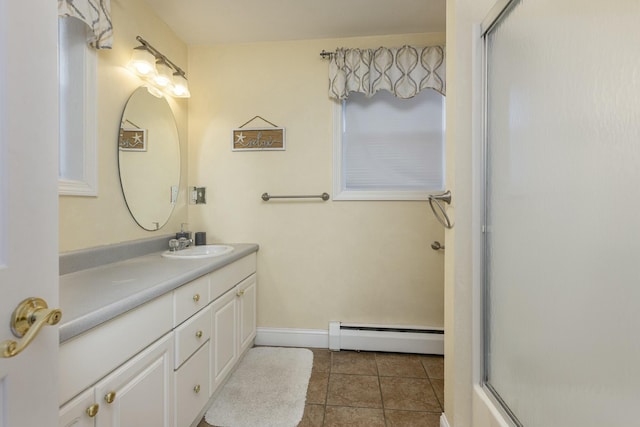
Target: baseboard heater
(389, 338)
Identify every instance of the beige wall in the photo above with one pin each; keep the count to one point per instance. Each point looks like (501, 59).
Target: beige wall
(93, 221)
(318, 261)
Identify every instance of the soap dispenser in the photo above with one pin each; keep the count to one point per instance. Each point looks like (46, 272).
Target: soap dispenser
(183, 232)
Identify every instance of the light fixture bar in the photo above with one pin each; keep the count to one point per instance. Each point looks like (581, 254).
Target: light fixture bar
(159, 55)
(159, 72)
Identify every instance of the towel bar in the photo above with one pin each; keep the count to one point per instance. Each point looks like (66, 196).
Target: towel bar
(324, 196)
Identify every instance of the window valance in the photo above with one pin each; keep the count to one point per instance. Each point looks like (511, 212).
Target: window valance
(96, 14)
(403, 71)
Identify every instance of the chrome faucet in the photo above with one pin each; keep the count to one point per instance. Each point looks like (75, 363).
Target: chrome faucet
(179, 244)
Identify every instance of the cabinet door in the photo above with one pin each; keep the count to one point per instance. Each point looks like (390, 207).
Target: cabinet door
(80, 412)
(246, 292)
(224, 347)
(139, 393)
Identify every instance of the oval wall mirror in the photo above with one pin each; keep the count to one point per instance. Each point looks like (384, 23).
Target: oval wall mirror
(149, 159)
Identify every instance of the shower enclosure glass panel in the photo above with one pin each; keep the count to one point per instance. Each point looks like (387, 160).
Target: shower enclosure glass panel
(562, 234)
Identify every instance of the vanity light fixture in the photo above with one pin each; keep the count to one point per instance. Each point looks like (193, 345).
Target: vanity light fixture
(162, 76)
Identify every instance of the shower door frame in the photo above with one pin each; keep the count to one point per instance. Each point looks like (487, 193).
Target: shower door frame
(488, 406)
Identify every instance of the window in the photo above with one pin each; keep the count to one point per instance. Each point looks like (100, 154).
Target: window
(386, 148)
(77, 108)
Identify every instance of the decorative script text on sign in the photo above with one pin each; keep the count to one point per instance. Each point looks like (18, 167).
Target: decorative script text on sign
(258, 139)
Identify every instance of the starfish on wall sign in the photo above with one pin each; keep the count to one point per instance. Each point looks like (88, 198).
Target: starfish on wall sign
(137, 139)
(241, 137)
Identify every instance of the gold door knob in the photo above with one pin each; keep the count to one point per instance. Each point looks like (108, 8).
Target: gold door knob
(110, 397)
(240, 293)
(199, 334)
(26, 321)
(197, 388)
(92, 410)
(196, 297)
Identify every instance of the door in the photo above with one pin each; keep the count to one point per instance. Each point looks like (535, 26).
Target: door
(562, 201)
(28, 204)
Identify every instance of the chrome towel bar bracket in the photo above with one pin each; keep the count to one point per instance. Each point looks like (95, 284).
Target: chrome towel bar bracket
(324, 196)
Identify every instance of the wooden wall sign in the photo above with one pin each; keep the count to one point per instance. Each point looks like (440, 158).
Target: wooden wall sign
(258, 139)
(133, 139)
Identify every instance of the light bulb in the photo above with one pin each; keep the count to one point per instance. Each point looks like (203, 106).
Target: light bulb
(163, 73)
(180, 86)
(142, 61)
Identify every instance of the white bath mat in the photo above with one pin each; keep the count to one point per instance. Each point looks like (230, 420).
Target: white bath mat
(268, 389)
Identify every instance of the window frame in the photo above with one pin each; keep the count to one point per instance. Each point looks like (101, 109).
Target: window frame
(339, 191)
(87, 184)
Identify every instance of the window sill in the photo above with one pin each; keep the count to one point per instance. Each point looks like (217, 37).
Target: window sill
(383, 195)
(67, 187)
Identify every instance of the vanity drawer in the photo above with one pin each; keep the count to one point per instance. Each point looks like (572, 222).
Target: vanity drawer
(227, 277)
(189, 299)
(192, 387)
(191, 335)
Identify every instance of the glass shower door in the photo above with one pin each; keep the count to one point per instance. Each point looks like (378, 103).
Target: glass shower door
(562, 226)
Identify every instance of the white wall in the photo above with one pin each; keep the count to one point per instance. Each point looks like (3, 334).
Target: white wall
(318, 261)
(461, 284)
(93, 221)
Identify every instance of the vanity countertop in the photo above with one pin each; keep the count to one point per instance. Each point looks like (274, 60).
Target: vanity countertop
(96, 295)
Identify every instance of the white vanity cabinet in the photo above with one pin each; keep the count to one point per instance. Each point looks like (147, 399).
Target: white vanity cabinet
(224, 347)
(192, 302)
(81, 411)
(233, 328)
(138, 393)
(115, 355)
(190, 298)
(246, 291)
(192, 387)
(159, 365)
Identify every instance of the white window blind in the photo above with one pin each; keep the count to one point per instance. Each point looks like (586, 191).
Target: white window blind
(390, 148)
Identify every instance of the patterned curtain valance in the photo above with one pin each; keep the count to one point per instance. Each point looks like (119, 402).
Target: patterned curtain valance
(402, 71)
(96, 14)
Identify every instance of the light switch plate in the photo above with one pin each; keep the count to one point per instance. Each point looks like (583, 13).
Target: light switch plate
(198, 195)
(174, 194)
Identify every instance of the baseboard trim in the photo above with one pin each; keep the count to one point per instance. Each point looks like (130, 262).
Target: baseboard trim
(443, 420)
(286, 337)
(352, 340)
(397, 342)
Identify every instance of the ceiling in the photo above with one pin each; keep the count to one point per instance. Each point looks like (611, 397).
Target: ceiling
(239, 21)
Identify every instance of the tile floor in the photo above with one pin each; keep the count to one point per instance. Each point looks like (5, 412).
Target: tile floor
(371, 389)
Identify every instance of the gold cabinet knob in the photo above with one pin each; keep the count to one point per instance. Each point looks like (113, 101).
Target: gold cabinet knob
(26, 321)
(197, 388)
(92, 410)
(110, 397)
(196, 297)
(240, 292)
(199, 334)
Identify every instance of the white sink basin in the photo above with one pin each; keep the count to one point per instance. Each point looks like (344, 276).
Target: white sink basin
(196, 252)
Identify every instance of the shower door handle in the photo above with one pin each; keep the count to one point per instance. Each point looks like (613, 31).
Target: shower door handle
(437, 199)
(444, 197)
